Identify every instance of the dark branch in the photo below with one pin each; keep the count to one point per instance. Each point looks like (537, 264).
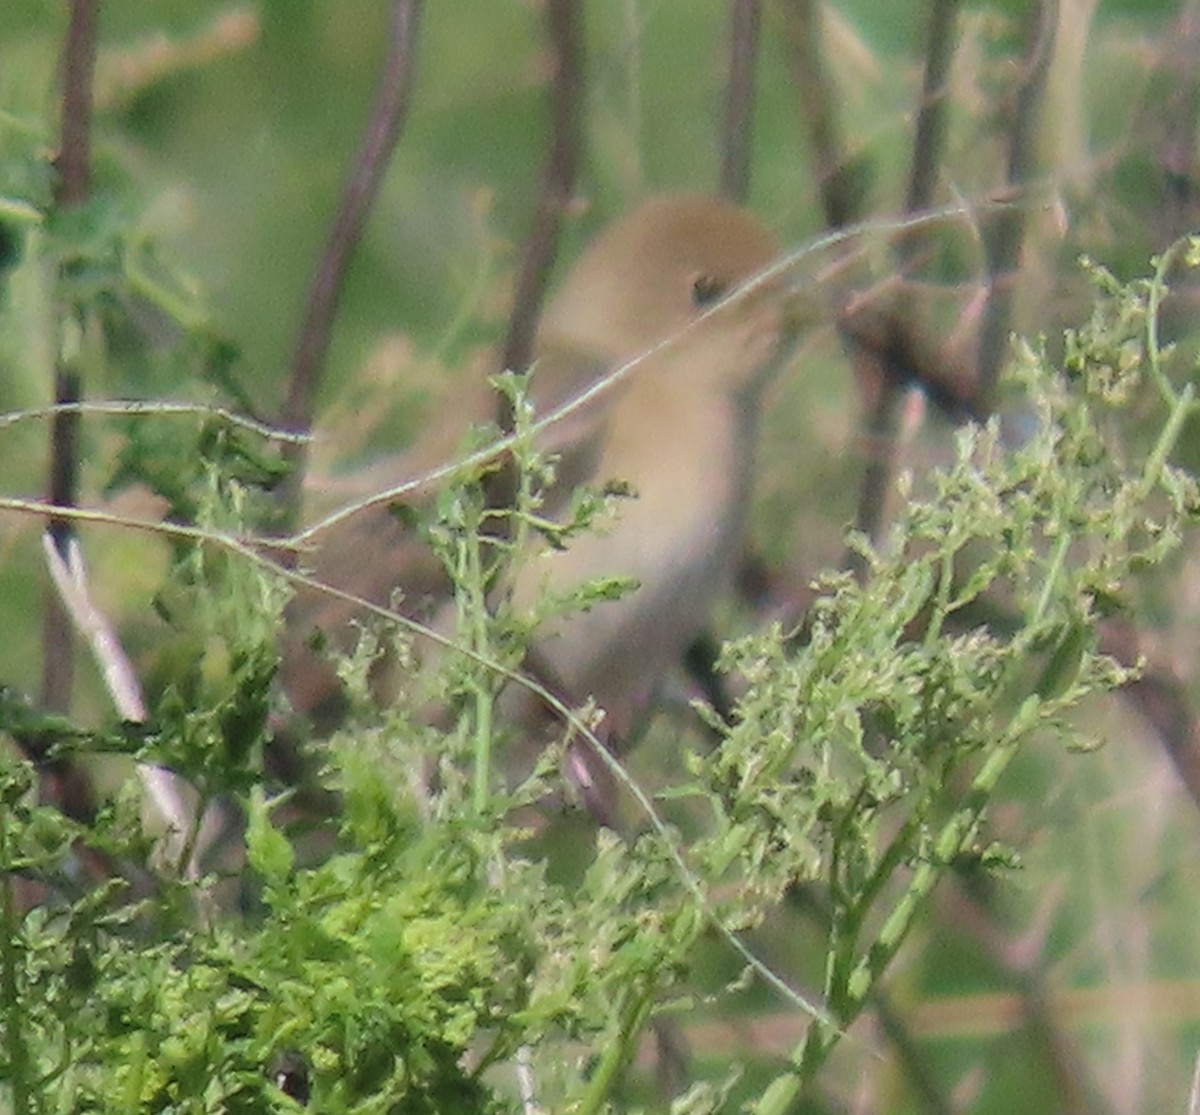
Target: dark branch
(839, 180)
(71, 190)
(63, 782)
(62, 490)
(79, 67)
(907, 356)
(564, 29)
(746, 18)
(883, 421)
(931, 120)
(383, 130)
(564, 25)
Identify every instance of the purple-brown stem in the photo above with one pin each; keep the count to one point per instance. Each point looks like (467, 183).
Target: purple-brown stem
(745, 22)
(71, 190)
(384, 127)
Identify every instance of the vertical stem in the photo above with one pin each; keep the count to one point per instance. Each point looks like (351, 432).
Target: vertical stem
(384, 127)
(883, 422)
(746, 18)
(564, 28)
(10, 985)
(837, 181)
(617, 1051)
(564, 25)
(484, 699)
(931, 119)
(79, 67)
(71, 191)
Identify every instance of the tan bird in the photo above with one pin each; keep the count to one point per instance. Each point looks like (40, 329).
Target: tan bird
(670, 297)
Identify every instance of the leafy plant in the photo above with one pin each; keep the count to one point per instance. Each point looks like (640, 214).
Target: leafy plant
(422, 956)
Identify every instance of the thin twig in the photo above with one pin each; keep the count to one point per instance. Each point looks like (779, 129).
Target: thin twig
(737, 143)
(383, 130)
(136, 408)
(128, 72)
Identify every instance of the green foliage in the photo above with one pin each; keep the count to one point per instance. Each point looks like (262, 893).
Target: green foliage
(418, 955)
(420, 949)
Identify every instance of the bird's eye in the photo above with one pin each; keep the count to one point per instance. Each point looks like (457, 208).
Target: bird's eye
(706, 290)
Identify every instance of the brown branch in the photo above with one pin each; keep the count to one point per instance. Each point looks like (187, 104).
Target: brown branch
(564, 26)
(879, 334)
(384, 127)
(1003, 243)
(564, 29)
(74, 166)
(931, 119)
(62, 490)
(907, 355)
(883, 420)
(881, 439)
(745, 22)
(839, 180)
(79, 68)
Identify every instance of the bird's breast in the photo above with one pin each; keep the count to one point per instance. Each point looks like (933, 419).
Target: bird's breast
(677, 537)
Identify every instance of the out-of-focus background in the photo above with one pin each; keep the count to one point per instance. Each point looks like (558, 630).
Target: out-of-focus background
(1074, 984)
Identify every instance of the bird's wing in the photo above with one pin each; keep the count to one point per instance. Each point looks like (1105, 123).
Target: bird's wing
(560, 376)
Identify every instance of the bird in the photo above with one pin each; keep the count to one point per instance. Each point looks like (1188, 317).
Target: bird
(674, 308)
